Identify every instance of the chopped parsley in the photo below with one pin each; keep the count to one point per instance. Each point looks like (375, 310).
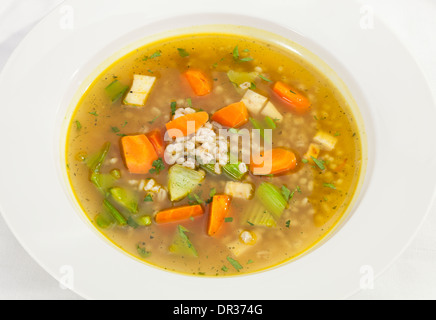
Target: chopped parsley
(152, 121)
(235, 264)
(148, 198)
(305, 161)
(173, 107)
(228, 219)
(115, 129)
(319, 163)
(78, 125)
(189, 102)
(288, 224)
(158, 166)
(183, 53)
(142, 252)
(330, 185)
(94, 113)
(265, 79)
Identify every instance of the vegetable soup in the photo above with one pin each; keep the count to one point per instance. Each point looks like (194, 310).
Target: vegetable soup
(213, 154)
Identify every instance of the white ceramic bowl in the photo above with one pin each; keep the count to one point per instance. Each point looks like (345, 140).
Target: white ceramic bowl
(54, 64)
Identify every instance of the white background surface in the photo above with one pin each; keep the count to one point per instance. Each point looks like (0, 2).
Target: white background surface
(412, 276)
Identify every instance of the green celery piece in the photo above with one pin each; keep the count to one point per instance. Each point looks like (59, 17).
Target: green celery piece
(241, 77)
(232, 171)
(95, 162)
(182, 181)
(115, 213)
(182, 245)
(259, 216)
(116, 90)
(125, 198)
(272, 199)
(209, 168)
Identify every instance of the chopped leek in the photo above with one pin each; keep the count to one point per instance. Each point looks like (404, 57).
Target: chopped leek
(232, 171)
(239, 78)
(182, 181)
(259, 216)
(116, 90)
(103, 181)
(125, 198)
(272, 199)
(182, 245)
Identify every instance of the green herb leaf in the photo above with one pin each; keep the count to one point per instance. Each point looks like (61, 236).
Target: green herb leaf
(189, 102)
(115, 129)
(148, 198)
(78, 125)
(158, 166)
(228, 219)
(247, 59)
(156, 54)
(288, 224)
(330, 185)
(132, 223)
(212, 192)
(94, 113)
(152, 121)
(265, 79)
(183, 53)
(225, 269)
(173, 107)
(286, 193)
(305, 161)
(235, 264)
(143, 253)
(236, 53)
(319, 163)
(250, 261)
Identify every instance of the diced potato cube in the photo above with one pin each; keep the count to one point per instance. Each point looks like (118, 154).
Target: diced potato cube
(140, 90)
(314, 151)
(326, 141)
(239, 190)
(254, 101)
(271, 111)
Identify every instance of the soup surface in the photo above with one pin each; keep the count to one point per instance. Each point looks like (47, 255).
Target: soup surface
(213, 154)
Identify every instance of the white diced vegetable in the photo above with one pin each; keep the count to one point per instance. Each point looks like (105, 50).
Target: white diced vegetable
(271, 111)
(239, 190)
(140, 90)
(326, 141)
(254, 101)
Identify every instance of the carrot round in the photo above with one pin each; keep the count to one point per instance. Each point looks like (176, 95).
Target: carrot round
(157, 141)
(232, 116)
(199, 82)
(218, 211)
(187, 125)
(139, 153)
(296, 101)
(178, 214)
(274, 161)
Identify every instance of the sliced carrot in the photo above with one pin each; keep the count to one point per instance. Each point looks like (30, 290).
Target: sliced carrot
(187, 125)
(296, 101)
(157, 141)
(218, 211)
(232, 116)
(139, 153)
(178, 214)
(199, 82)
(274, 161)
